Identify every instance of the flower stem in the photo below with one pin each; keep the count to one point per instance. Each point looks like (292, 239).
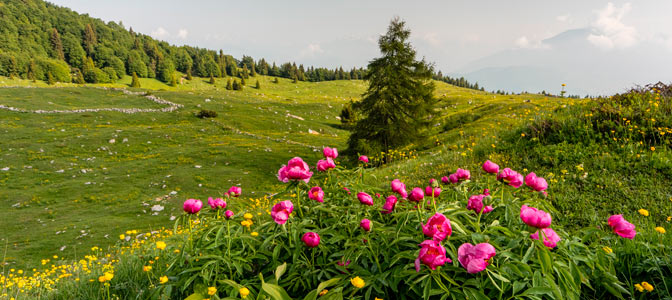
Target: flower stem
(298, 200)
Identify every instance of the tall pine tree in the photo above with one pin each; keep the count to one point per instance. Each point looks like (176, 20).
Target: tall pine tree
(398, 107)
(56, 44)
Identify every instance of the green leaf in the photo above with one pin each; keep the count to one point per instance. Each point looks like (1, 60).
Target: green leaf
(537, 290)
(195, 296)
(275, 291)
(279, 271)
(323, 285)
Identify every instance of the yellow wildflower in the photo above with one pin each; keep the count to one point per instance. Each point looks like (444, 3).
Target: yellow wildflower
(122, 237)
(163, 279)
(669, 219)
(108, 276)
(661, 230)
(146, 268)
(212, 290)
(247, 216)
(643, 212)
(244, 292)
(101, 278)
(378, 298)
(653, 148)
(639, 287)
(607, 249)
(254, 233)
(648, 287)
(324, 292)
(358, 282)
(160, 245)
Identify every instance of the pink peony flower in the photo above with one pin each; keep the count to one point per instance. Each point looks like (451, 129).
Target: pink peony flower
(399, 188)
(296, 169)
(536, 183)
(228, 214)
(432, 254)
(192, 206)
(235, 191)
(325, 164)
(365, 224)
(428, 191)
(535, 217)
(216, 203)
(622, 227)
(475, 258)
(390, 202)
(343, 263)
(365, 198)
(364, 159)
(281, 210)
(511, 177)
(551, 238)
(311, 239)
(490, 167)
(347, 190)
(445, 179)
(416, 195)
(330, 152)
(316, 193)
(486, 192)
(437, 227)
(459, 175)
(475, 203)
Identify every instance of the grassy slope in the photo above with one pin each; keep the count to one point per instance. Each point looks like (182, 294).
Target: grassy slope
(127, 178)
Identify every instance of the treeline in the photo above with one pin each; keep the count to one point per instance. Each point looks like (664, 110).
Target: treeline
(42, 41)
(461, 82)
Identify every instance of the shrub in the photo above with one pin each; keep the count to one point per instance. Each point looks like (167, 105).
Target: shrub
(206, 114)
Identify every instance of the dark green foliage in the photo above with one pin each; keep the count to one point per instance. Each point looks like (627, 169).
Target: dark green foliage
(245, 73)
(461, 82)
(398, 107)
(275, 80)
(348, 115)
(90, 38)
(79, 77)
(165, 70)
(237, 86)
(135, 82)
(229, 86)
(117, 64)
(204, 113)
(257, 85)
(242, 81)
(136, 64)
(111, 74)
(56, 45)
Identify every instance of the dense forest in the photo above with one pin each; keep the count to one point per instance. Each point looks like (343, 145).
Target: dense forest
(42, 41)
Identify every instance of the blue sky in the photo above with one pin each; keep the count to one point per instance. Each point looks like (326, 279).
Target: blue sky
(453, 34)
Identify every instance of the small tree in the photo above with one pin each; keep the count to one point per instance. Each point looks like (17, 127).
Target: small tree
(398, 107)
(236, 85)
(242, 81)
(173, 81)
(135, 82)
(229, 86)
(189, 74)
(294, 78)
(258, 85)
(79, 77)
(275, 80)
(212, 79)
(50, 79)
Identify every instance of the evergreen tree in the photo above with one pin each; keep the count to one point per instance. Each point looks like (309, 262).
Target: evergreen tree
(189, 74)
(275, 80)
(13, 67)
(135, 82)
(173, 81)
(32, 71)
(242, 81)
(57, 44)
(253, 72)
(229, 86)
(245, 73)
(79, 77)
(212, 79)
(50, 79)
(258, 85)
(294, 79)
(90, 38)
(398, 106)
(236, 85)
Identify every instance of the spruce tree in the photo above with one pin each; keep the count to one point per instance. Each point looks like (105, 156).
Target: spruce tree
(398, 107)
(275, 80)
(294, 79)
(246, 73)
(258, 85)
(135, 82)
(79, 77)
(242, 81)
(229, 86)
(212, 79)
(56, 44)
(173, 81)
(236, 86)
(50, 79)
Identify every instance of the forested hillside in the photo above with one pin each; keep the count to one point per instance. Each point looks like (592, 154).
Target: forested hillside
(42, 41)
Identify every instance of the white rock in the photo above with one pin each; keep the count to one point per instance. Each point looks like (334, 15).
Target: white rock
(112, 141)
(157, 208)
(5, 169)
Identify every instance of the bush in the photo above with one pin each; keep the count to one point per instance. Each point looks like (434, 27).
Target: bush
(206, 114)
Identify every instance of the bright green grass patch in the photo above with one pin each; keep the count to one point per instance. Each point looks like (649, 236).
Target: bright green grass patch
(71, 98)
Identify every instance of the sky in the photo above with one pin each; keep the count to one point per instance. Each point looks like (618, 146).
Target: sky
(455, 35)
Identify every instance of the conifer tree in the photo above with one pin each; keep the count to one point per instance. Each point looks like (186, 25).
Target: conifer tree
(275, 80)
(189, 74)
(212, 79)
(90, 39)
(173, 81)
(253, 71)
(79, 77)
(245, 73)
(135, 82)
(56, 44)
(236, 85)
(229, 86)
(242, 81)
(398, 107)
(50, 79)
(294, 79)
(258, 85)
(32, 69)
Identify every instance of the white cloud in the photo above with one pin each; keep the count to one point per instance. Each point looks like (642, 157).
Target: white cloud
(524, 42)
(431, 38)
(311, 50)
(182, 33)
(564, 18)
(160, 33)
(609, 31)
